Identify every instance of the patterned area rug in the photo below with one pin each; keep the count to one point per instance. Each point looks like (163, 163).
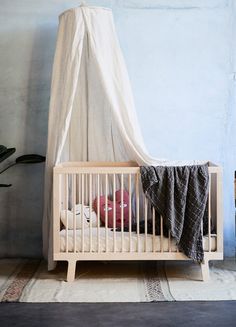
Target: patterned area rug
(29, 281)
(14, 286)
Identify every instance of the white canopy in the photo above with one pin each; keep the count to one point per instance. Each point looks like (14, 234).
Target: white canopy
(92, 115)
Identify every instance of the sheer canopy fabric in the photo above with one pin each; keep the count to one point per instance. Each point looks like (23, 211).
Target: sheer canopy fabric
(92, 115)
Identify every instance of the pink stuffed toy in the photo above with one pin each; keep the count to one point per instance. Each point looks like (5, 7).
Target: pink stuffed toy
(110, 209)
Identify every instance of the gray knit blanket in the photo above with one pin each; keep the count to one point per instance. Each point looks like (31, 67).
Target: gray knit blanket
(180, 196)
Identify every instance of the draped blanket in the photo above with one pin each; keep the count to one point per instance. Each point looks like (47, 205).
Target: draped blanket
(180, 195)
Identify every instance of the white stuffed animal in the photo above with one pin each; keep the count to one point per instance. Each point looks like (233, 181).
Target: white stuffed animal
(78, 210)
(79, 219)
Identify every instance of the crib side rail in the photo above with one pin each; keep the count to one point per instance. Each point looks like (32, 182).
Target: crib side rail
(82, 180)
(215, 214)
(57, 190)
(219, 210)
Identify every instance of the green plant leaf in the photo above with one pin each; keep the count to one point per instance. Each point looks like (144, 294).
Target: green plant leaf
(30, 159)
(5, 185)
(7, 153)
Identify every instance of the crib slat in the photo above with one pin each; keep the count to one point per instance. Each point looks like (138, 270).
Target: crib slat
(153, 228)
(90, 213)
(169, 242)
(161, 222)
(82, 211)
(137, 210)
(86, 189)
(145, 221)
(130, 217)
(79, 191)
(114, 213)
(57, 198)
(98, 211)
(209, 215)
(74, 209)
(106, 212)
(122, 213)
(66, 208)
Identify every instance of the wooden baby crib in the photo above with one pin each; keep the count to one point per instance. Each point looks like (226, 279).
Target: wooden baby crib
(82, 182)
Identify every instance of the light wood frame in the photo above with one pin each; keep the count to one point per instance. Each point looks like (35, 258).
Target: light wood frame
(131, 168)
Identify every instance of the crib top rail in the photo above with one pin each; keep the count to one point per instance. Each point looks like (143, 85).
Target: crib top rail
(97, 167)
(105, 167)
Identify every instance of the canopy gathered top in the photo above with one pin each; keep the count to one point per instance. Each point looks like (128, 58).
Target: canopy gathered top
(92, 115)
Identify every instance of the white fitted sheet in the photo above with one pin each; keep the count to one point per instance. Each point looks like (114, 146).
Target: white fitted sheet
(126, 241)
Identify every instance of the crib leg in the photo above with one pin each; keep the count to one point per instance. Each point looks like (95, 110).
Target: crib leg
(71, 270)
(205, 270)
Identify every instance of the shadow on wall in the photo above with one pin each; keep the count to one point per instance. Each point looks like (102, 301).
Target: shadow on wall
(22, 204)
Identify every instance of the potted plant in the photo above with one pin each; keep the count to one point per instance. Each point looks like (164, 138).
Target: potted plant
(25, 159)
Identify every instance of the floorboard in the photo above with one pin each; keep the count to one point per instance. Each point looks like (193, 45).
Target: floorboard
(217, 314)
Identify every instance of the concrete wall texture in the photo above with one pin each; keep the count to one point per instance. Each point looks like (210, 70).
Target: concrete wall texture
(181, 59)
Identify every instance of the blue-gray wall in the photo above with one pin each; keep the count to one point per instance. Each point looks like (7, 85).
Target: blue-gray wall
(181, 59)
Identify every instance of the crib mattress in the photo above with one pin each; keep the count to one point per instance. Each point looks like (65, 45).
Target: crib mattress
(126, 241)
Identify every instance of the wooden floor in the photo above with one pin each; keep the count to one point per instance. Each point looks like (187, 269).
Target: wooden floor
(184, 314)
